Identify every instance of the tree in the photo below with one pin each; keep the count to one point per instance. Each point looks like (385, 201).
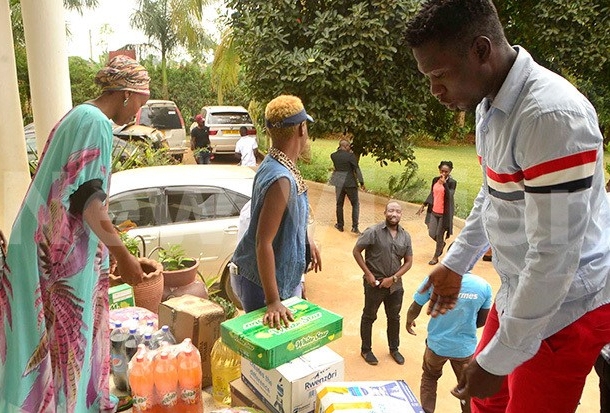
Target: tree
(170, 24)
(348, 63)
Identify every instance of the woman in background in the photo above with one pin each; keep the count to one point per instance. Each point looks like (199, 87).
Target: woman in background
(441, 207)
(54, 336)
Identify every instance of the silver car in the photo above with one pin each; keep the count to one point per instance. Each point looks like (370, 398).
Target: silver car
(224, 123)
(197, 207)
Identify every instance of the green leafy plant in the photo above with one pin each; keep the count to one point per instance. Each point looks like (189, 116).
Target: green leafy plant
(132, 244)
(227, 306)
(174, 258)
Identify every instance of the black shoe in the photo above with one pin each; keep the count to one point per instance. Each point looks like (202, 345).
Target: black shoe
(398, 358)
(340, 228)
(433, 261)
(370, 358)
(355, 230)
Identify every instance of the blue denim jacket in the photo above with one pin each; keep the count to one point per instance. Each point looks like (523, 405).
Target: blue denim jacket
(289, 242)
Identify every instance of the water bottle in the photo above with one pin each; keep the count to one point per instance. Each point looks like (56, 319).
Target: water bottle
(226, 367)
(164, 335)
(166, 381)
(189, 378)
(148, 328)
(142, 383)
(118, 366)
(148, 342)
(131, 344)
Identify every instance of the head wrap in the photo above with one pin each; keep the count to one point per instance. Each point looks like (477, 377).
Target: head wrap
(123, 73)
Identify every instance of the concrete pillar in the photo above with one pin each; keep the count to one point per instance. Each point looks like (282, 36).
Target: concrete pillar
(45, 38)
(14, 172)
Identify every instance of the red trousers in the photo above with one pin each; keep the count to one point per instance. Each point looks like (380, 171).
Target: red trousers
(552, 381)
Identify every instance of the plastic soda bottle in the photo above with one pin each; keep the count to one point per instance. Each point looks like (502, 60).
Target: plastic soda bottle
(131, 344)
(142, 383)
(189, 378)
(166, 381)
(226, 367)
(164, 335)
(118, 366)
(148, 342)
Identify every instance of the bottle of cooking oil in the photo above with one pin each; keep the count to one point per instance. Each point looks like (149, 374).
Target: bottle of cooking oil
(226, 367)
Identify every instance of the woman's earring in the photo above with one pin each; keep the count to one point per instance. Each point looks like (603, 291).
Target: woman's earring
(125, 101)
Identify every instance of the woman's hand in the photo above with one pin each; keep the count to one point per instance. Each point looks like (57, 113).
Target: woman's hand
(277, 315)
(420, 210)
(130, 269)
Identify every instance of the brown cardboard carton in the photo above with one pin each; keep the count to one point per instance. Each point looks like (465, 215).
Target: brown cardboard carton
(196, 318)
(242, 396)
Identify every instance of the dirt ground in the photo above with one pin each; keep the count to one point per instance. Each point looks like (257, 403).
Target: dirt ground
(338, 287)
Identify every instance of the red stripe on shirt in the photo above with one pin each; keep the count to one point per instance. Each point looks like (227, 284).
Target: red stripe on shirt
(560, 164)
(504, 178)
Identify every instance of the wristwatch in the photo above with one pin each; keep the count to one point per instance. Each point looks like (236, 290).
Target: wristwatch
(395, 278)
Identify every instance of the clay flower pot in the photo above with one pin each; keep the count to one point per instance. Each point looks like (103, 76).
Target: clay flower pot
(148, 293)
(180, 278)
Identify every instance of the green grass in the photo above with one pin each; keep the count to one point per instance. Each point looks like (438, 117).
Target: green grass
(466, 171)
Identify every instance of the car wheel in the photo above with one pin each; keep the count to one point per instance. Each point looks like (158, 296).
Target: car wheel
(226, 291)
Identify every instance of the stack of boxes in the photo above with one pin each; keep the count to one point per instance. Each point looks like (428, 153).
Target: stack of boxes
(281, 368)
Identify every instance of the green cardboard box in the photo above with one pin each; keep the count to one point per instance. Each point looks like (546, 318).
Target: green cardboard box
(312, 328)
(121, 296)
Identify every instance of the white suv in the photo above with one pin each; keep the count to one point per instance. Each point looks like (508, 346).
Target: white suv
(165, 116)
(224, 123)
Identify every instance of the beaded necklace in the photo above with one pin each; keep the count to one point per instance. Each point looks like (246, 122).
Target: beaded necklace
(282, 158)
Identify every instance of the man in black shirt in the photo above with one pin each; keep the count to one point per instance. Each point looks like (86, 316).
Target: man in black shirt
(345, 178)
(200, 141)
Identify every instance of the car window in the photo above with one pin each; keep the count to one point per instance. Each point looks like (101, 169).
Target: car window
(238, 199)
(136, 206)
(160, 117)
(195, 204)
(228, 118)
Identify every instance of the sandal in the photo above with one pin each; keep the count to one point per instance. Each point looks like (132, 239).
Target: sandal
(433, 261)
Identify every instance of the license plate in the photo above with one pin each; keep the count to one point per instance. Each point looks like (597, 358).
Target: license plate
(231, 132)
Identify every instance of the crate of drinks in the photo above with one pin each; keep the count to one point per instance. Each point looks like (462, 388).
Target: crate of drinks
(312, 328)
(367, 397)
(168, 378)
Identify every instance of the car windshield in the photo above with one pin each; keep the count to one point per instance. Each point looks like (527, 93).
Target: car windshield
(160, 117)
(228, 118)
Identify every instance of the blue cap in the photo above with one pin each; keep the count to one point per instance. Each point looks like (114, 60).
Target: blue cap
(293, 120)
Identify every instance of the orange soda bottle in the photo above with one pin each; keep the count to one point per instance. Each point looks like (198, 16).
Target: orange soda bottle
(142, 384)
(189, 378)
(166, 382)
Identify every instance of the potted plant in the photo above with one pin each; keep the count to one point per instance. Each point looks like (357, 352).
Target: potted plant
(149, 292)
(178, 269)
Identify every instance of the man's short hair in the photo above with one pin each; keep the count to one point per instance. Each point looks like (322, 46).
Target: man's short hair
(454, 21)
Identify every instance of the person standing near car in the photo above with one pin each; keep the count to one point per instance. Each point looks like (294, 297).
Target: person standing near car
(388, 256)
(200, 141)
(541, 207)
(270, 258)
(54, 346)
(345, 178)
(246, 148)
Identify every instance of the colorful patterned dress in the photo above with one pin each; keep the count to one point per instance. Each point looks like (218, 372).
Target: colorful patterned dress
(54, 339)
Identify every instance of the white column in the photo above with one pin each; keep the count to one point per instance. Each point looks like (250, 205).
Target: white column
(14, 172)
(45, 38)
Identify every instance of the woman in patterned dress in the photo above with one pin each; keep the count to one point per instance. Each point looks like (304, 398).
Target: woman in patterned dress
(54, 344)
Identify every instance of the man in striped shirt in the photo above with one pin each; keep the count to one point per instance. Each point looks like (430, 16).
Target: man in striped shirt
(542, 209)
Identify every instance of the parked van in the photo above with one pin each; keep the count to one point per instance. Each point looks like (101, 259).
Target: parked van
(165, 116)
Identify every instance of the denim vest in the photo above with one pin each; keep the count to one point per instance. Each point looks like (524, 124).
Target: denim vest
(289, 242)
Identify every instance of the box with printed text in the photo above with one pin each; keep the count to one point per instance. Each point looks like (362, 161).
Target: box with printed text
(292, 386)
(367, 397)
(312, 328)
(120, 296)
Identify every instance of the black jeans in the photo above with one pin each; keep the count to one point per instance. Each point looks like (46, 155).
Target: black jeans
(352, 194)
(373, 297)
(602, 368)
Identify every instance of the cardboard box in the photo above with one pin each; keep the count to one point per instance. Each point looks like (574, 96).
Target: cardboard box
(269, 348)
(196, 318)
(242, 396)
(367, 397)
(121, 296)
(292, 386)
